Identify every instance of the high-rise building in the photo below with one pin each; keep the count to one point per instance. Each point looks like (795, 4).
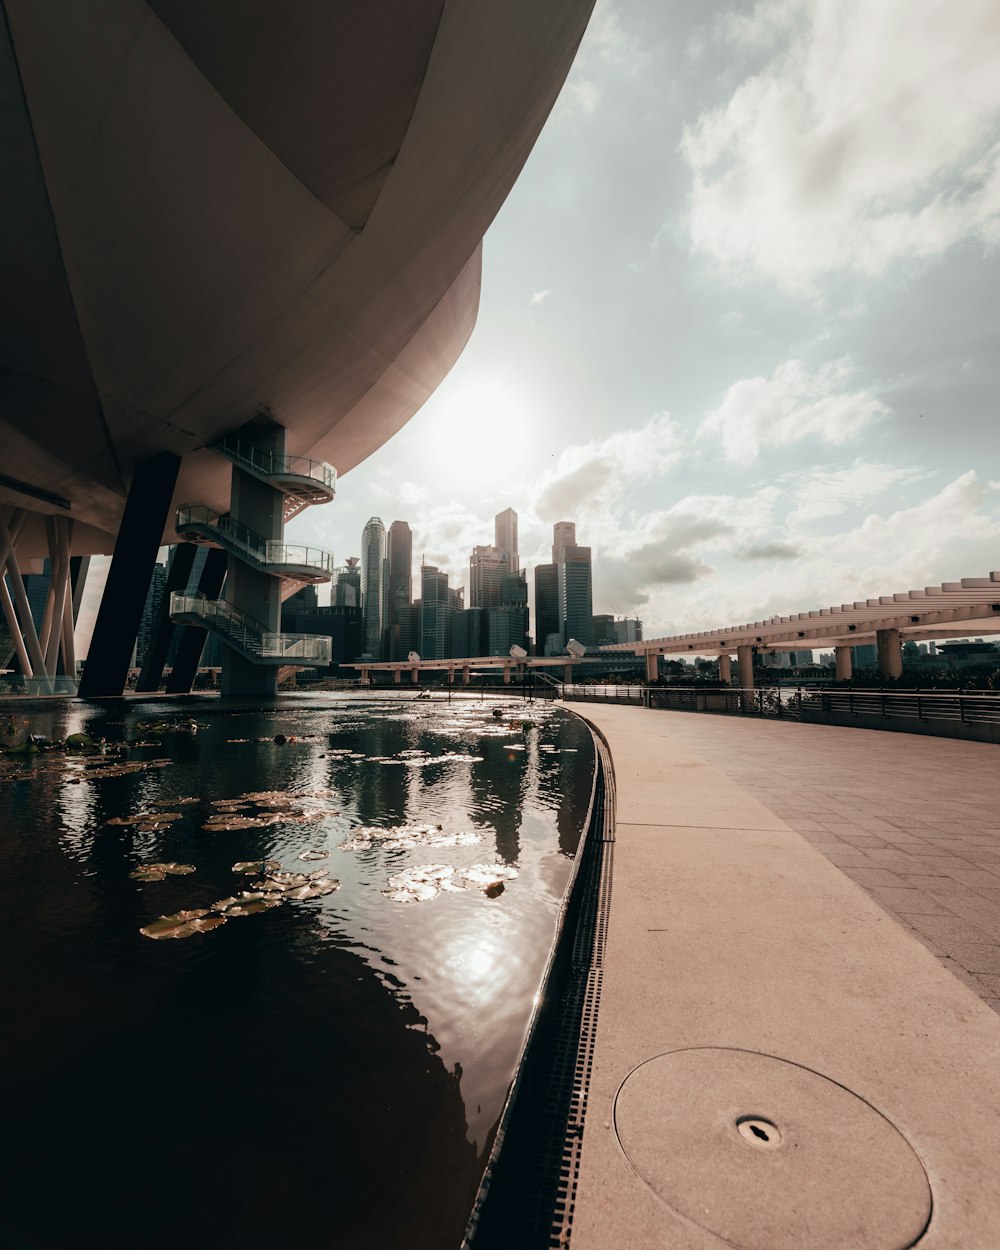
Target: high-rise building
(347, 591)
(604, 630)
(563, 536)
(304, 600)
(435, 614)
(547, 609)
(628, 631)
(508, 623)
(399, 583)
(149, 620)
(576, 597)
(372, 585)
(470, 633)
(400, 635)
(505, 527)
(486, 567)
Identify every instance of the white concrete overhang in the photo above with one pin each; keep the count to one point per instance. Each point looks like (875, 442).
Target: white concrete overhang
(226, 207)
(971, 605)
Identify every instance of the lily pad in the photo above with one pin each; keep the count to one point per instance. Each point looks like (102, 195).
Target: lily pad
(486, 875)
(148, 874)
(257, 865)
(314, 853)
(252, 906)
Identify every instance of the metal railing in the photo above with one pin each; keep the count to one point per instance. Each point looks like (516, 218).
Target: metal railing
(977, 708)
(270, 464)
(265, 551)
(790, 703)
(248, 634)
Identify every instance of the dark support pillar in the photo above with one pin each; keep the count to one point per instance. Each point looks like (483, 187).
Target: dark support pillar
(139, 535)
(156, 652)
(192, 639)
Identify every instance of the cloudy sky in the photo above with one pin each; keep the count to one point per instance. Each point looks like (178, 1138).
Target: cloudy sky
(739, 319)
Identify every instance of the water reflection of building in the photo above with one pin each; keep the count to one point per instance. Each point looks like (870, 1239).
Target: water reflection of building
(498, 783)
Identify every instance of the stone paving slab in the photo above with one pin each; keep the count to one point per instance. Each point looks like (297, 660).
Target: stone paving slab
(733, 932)
(936, 832)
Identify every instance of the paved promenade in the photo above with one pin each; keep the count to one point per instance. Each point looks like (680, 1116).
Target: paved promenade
(779, 1063)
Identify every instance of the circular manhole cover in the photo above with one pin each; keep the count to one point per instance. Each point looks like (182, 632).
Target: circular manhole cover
(770, 1155)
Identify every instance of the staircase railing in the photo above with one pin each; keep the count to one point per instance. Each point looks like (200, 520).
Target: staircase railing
(270, 464)
(264, 551)
(249, 634)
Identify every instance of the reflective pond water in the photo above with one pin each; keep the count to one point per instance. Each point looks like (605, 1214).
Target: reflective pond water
(324, 1072)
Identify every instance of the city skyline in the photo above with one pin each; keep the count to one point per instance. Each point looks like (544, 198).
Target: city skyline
(750, 413)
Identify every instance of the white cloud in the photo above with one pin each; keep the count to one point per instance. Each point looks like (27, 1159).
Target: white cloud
(870, 136)
(538, 297)
(793, 404)
(592, 476)
(951, 534)
(828, 492)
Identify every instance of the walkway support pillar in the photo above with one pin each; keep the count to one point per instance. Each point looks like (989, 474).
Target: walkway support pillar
(506, 674)
(744, 660)
(567, 674)
(415, 676)
(124, 598)
(466, 675)
(451, 677)
(842, 658)
(156, 656)
(365, 679)
(397, 676)
(890, 653)
(652, 665)
(726, 670)
(191, 642)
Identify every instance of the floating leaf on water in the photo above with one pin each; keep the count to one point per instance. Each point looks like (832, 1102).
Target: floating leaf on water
(148, 874)
(488, 874)
(169, 926)
(257, 865)
(182, 802)
(415, 893)
(251, 906)
(314, 853)
(318, 889)
(237, 739)
(178, 870)
(209, 922)
(123, 820)
(221, 904)
(166, 818)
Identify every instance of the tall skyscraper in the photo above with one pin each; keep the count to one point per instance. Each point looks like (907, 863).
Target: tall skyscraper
(397, 612)
(486, 567)
(399, 583)
(505, 527)
(547, 619)
(372, 585)
(563, 536)
(576, 596)
(508, 623)
(435, 613)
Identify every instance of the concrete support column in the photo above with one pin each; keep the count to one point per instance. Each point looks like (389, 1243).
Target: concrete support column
(466, 675)
(726, 670)
(397, 676)
(365, 679)
(890, 653)
(451, 677)
(506, 674)
(156, 655)
(568, 674)
(744, 661)
(124, 598)
(842, 658)
(191, 642)
(415, 676)
(652, 666)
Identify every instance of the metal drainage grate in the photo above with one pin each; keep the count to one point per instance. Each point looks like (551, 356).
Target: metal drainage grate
(532, 1194)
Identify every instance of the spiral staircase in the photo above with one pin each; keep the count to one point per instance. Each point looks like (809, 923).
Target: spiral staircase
(298, 483)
